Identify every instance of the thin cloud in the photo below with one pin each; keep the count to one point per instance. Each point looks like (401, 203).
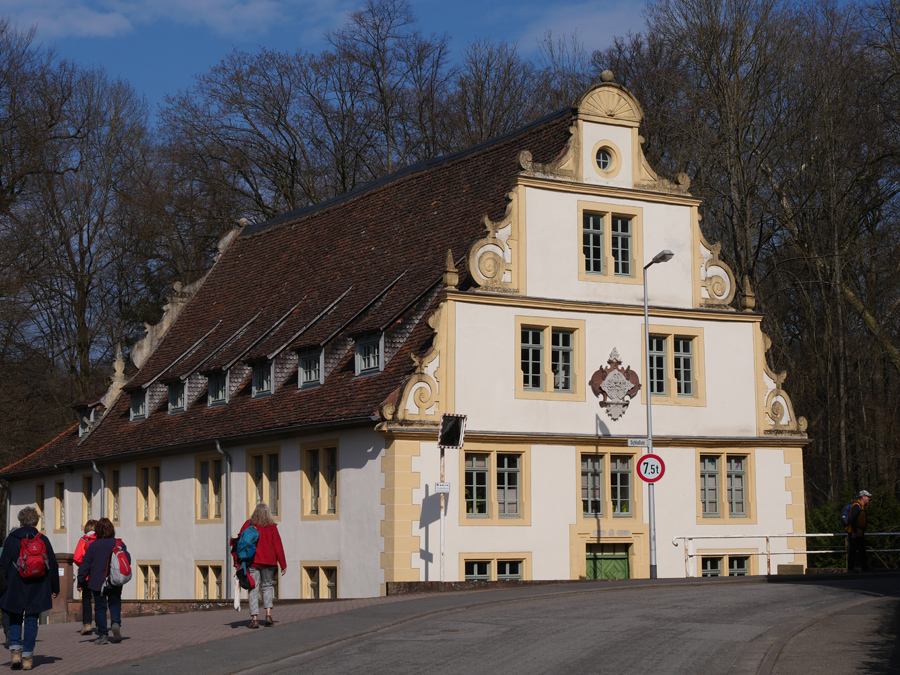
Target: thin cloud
(112, 18)
(595, 23)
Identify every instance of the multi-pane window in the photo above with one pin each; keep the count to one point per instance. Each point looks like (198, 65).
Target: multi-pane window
(218, 388)
(321, 481)
(176, 397)
(115, 480)
(477, 467)
(592, 485)
(561, 359)
(592, 242)
(738, 566)
(620, 485)
(149, 581)
(310, 370)
(209, 582)
(368, 356)
(676, 370)
(532, 350)
(87, 498)
(138, 405)
(684, 366)
(657, 366)
(39, 503)
(493, 570)
(478, 570)
(548, 360)
(610, 245)
(262, 378)
(711, 566)
(709, 485)
(735, 486)
(621, 246)
(60, 505)
(508, 485)
(149, 493)
(320, 583)
(209, 489)
(264, 474)
(509, 570)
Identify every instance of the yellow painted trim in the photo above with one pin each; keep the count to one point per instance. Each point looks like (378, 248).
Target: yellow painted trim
(579, 374)
(615, 164)
(482, 298)
(399, 511)
(725, 553)
(306, 512)
(265, 452)
(211, 506)
(750, 503)
(636, 214)
(39, 496)
(198, 578)
(152, 499)
(60, 512)
(605, 191)
(87, 499)
(696, 257)
(138, 567)
(109, 493)
(698, 352)
(795, 511)
(321, 566)
(492, 518)
(493, 558)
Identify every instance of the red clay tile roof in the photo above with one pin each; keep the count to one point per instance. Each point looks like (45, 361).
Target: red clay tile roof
(377, 252)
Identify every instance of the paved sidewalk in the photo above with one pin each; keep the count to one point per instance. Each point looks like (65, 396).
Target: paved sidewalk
(61, 649)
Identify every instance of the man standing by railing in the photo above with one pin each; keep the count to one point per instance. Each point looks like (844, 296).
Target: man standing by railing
(856, 530)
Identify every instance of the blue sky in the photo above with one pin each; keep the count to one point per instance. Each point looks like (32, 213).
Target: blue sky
(159, 45)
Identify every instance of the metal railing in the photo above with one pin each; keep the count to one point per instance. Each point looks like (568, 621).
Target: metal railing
(688, 539)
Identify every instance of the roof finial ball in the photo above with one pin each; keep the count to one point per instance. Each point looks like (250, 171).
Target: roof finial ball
(606, 76)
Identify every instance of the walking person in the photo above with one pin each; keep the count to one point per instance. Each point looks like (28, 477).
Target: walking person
(856, 533)
(92, 575)
(87, 612)
(27, 596)
(269, 555)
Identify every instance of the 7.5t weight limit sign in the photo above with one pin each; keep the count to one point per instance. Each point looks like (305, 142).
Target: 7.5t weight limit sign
(651, 468)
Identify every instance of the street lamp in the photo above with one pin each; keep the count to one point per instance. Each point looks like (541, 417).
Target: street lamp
(663, 256)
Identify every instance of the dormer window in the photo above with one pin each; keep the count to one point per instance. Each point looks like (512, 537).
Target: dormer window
(218, 389)
(85, 418)
(176, 397)
(262, 378)
(311, 370)
(368, 355)
(138, 405)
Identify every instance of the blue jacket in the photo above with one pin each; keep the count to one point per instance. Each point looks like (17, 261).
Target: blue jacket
(94, 566)
(27, 596)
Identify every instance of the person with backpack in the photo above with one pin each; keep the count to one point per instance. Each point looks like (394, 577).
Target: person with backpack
(269, 555)
(87, 612)
(32, 578)
(94, 574)
(856, 533)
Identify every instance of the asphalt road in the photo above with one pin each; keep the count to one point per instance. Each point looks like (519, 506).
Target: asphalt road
(750, 625)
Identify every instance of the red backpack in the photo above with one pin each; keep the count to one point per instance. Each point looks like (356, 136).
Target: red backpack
(32, 561)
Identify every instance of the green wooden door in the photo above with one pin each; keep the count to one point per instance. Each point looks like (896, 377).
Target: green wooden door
(607, 561)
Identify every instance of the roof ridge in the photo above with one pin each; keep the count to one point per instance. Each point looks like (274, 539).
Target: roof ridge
(399, 174)
(50, 442)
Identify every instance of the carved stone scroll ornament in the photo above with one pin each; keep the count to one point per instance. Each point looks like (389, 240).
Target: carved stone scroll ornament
(717, 279)
(492, 260)
(779, 411)
(616, 385)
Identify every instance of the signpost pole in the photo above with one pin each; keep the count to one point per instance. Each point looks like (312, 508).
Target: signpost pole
(443, 506)
(451, 435)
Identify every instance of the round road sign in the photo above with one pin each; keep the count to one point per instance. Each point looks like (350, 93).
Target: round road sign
(651, 468)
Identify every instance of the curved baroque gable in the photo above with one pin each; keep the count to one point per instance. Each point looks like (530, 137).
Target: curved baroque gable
(611, 102)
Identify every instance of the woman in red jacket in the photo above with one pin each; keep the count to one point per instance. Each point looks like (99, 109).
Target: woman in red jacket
(269, 555)
(87, 611)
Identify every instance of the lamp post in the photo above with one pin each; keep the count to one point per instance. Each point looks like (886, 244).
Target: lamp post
(663, 256)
